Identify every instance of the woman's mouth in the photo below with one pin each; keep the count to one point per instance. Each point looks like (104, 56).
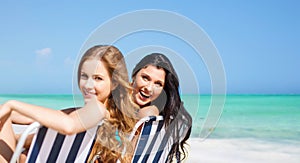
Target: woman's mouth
(144, 96)
(88, 94)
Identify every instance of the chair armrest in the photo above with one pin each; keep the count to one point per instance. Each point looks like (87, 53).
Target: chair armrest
(22, 141)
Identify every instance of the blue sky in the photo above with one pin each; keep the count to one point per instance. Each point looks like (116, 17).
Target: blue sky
(258, 42)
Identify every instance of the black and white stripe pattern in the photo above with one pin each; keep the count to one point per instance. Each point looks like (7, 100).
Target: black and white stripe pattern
(50, 146)
(153, 144)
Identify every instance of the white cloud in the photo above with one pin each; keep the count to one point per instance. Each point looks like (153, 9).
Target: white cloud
(43, 57)
(44, 52)
(69, 61)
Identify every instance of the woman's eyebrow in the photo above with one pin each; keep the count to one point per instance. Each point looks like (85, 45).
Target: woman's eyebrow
(145, 74)
(161, 82)
(98, 74)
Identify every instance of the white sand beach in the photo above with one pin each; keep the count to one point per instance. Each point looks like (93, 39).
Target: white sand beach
(242, 151)
(237, 150)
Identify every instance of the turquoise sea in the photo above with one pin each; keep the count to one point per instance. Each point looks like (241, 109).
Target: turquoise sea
(263, 117)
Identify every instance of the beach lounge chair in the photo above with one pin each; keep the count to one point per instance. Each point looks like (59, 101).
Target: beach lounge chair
(153, 144)
(50, 146)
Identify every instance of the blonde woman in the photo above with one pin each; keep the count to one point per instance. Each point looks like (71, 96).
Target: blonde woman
(103, 81)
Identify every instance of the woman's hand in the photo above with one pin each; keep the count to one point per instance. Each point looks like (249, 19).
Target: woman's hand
(5, 111)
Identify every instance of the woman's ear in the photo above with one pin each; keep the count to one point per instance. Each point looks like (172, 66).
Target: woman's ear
(132, 81)
(114, 85)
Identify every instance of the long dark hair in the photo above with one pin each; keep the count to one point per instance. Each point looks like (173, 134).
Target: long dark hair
(177, 120)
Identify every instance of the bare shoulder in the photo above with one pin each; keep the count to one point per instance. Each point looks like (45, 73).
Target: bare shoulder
(148, 111)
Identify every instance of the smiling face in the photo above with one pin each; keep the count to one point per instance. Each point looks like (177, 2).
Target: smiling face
(148, 83)
(95, 81)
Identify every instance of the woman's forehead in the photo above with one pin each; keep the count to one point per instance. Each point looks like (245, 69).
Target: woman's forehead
(154, 72)
(94, 65)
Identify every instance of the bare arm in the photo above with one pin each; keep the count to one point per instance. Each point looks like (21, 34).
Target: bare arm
(18, 118)
(77, 121)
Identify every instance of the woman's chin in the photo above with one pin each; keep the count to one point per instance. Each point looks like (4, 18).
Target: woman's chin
(86, 100)
(142, 103)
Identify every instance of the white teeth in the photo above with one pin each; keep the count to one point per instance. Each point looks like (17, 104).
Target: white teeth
(146, 96)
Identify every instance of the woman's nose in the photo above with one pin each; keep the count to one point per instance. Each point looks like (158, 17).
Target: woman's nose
(149, 87)
(89, 83)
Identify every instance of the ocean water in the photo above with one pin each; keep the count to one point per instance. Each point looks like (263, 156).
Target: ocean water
(52, 101)
(262, 117)
(271, 117)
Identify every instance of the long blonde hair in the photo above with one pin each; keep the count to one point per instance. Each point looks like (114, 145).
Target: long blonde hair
(120, 106)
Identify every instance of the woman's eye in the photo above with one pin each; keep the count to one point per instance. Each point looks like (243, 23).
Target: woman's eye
(83, 76)
(159, 84)
(145, 78)
(97, 78)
